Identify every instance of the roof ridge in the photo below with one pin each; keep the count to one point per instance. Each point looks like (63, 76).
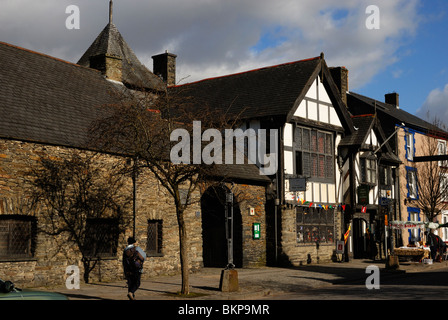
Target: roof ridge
(244, 72)
(43, 55)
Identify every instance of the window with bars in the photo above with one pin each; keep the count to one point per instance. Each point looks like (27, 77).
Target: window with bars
(154, 242)
(314, 224)
(101, 238)
(17, 236)
(314, 154)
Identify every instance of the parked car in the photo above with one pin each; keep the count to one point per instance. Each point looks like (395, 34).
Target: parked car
(8, 291)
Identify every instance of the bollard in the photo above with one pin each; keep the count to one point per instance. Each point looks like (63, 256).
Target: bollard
(392, 262)
(229, 281)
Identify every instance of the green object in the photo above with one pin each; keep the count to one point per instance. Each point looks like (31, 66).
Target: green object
(256, 230)
(9, 292)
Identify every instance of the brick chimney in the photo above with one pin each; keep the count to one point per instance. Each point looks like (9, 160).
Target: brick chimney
(340, 78)
(111, 66)
(165, 67)
(392, 98)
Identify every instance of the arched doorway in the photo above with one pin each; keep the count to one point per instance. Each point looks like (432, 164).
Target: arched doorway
(214, 248)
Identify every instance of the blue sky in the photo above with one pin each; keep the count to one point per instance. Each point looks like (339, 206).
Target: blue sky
(422, 63)
(407, 55)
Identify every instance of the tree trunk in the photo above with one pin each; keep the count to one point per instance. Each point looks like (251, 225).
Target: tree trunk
(183, 244)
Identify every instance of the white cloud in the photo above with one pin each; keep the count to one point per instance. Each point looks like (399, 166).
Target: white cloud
(435, 105)
(215, 37)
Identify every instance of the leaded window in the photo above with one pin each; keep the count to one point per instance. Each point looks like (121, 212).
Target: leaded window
(154, 242)
(101, 238)
(314, 154)
(17, 236)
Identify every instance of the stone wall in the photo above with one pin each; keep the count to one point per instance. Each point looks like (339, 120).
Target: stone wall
(254, 250)
(53, 254)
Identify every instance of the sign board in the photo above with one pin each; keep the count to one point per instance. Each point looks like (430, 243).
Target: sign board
(297, 184)
(339, 247)
(256, 230)
(406, 224)
(363, 194)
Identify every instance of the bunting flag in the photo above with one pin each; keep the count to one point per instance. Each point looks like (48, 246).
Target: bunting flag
(322, 206)
(347, 234)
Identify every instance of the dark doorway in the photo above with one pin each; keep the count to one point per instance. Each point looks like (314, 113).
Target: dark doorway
(214, 229)
(360, 239)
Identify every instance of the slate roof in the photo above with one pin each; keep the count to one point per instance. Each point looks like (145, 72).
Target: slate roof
(359, 104)
(270, 91)
(50, 101)
(135, 74)
(47, 100)
(362, 125)
(357, 140)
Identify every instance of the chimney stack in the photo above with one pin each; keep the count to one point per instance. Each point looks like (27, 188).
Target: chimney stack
(340, 78)
(165, 67)
(392, 98)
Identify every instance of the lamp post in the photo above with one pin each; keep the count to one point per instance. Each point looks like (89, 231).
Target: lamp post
(229, 228)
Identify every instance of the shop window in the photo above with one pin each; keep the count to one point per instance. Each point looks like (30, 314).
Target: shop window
(314, 225)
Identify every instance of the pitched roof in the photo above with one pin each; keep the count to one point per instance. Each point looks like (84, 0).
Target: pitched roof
(274, 91)
(47, 100)
(134, 73)
(363, 124)
(50, 101)
(270, 91)
(359, 104)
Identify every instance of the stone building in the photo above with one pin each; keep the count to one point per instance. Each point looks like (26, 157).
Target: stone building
(46, 109)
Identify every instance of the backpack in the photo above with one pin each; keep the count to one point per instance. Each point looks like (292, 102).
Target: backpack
(131, 261)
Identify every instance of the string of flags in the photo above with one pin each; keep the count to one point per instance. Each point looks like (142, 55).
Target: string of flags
(322, 206)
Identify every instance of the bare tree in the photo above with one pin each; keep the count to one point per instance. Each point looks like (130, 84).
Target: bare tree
(72, 190)
(140, 125)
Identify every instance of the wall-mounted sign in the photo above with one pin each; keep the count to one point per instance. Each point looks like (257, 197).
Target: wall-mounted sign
(297, 184)
(256, 230)
(363, 194)
(251, 211)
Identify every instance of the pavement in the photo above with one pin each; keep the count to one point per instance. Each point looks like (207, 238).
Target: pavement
(254, 283)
